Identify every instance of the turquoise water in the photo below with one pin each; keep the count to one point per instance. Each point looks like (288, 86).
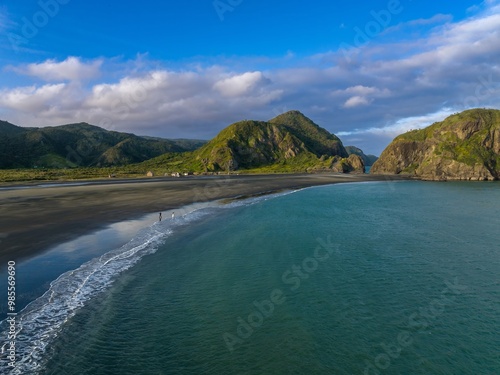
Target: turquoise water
(389, 278)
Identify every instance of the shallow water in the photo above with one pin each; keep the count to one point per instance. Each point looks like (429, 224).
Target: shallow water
(393, 278)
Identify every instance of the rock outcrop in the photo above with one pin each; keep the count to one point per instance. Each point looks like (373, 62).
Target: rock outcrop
(465, 146)
(368, 160)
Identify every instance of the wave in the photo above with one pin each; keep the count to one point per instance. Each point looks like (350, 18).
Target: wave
(41, 321)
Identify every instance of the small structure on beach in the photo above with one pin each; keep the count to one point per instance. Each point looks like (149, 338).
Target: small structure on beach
(150, 174)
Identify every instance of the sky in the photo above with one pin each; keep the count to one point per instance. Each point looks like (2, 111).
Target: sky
(364, 70)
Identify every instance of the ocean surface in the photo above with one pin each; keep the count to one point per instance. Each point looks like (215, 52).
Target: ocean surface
(365, 278)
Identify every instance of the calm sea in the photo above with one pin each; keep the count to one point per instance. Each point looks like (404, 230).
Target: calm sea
(367, 278)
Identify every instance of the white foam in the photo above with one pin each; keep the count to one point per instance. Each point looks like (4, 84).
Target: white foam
(41, 321)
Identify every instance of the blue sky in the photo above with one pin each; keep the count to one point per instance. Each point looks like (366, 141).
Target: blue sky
(364, 70)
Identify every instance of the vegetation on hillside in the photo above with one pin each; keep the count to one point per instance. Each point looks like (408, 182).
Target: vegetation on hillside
(288, 143)
(465, 145)
(79, 145)
(318, 140)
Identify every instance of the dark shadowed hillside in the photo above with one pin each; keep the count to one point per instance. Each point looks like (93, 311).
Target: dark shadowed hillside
(79, 145)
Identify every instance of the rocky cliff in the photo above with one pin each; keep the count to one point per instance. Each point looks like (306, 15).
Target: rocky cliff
(368, 160)
(465, 146)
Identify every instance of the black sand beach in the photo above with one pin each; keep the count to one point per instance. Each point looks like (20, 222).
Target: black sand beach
(34, 218)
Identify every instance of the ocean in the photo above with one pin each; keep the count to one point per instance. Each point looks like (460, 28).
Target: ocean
(361, 278)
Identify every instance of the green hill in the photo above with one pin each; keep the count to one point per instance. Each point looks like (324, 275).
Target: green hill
(317, 140)
(183, 143)
(250, 144)
(465, 146)
(78, 145)
(8, 129)
(288, 143)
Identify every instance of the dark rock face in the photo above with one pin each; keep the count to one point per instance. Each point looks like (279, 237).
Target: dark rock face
(352, 164)
(368, 160)
(465, 146)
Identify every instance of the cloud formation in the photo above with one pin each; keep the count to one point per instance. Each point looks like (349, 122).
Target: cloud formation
(402, 126)
(239, 85)
(32, 99)
(71, 69)
(361, 95)
(356, 101)
(385, 88)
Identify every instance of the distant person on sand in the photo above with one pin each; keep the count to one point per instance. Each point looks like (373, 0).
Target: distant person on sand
(173, 215)
(160, 216)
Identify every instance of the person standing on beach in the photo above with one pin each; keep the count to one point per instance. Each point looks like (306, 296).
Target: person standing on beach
(160, 216)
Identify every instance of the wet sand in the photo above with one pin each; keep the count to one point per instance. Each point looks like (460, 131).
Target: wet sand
(34, 218)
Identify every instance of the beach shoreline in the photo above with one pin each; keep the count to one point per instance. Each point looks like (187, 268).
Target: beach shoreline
(34, 218)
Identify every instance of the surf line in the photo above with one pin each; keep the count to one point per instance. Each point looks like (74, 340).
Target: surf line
(292, 277)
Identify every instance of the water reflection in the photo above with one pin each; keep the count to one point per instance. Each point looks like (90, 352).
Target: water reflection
(33, 276)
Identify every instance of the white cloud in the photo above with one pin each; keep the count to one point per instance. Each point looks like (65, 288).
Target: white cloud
(356, 101)
(434, 20)
(172, 101)
(242, 84)
(403, 125)
(31, 98)
(72, 69)
(360, 95)
(361, 90)
(128, 91)
(398, 85)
